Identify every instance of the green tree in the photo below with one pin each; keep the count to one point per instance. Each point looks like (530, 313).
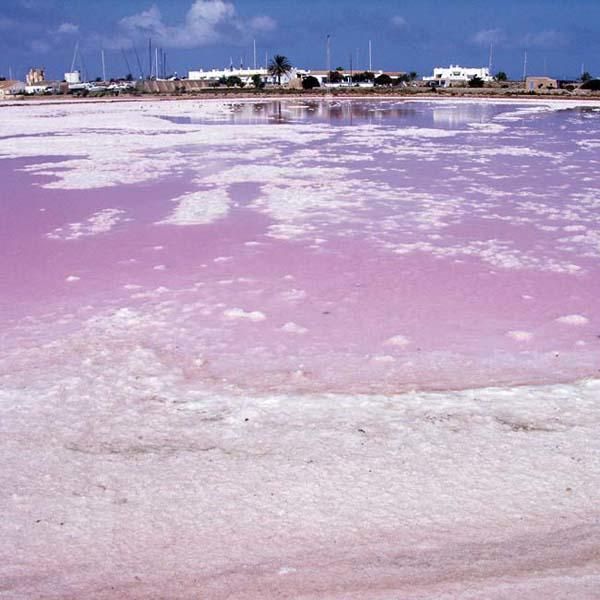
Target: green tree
(279, 66)
(592, 85)
(585, 76)
(413, 75)
(335, 76)
(501, 76)
(383, 79)
(310, 82)
(476, 82)
(364, 76)
(257, 81)
(233, 81)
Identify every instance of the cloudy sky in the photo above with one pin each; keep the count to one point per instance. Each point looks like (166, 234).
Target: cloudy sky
(558, 35)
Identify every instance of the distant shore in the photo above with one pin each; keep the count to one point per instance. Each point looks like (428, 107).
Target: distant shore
(341, 93)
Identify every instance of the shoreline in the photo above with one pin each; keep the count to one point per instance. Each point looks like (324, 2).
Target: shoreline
(243, 96)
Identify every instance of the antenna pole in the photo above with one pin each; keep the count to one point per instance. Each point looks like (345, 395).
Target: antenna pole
(75, 56)
(126, 62)
(139, 62)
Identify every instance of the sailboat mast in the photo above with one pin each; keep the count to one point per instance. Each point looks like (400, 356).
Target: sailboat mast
(74, 56)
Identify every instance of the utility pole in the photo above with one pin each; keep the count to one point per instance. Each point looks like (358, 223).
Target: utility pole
(370, 58)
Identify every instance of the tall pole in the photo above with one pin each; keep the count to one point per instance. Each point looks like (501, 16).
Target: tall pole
(491, 56)
(254, 49)
(328, 54)
(103, 67)
(10, 73)
(525, 66)
(150, 58)
(357, 59)
(156, 62)
(129, 71)
(75, 56)
(370, 58)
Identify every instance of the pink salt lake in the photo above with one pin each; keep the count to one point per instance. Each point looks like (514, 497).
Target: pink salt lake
(349, 259)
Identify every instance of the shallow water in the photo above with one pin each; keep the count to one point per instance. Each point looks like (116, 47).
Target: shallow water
(352, 246)
(307, 350)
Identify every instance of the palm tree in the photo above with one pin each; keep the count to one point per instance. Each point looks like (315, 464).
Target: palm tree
(279, 66)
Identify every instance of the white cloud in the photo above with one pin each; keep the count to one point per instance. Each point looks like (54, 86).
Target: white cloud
(398, 21)
(544, 39)
(263, 23)
(488, 36)
(68, 29)
(206, 22)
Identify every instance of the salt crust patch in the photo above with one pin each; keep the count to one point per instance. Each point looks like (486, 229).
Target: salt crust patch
(72, 278)
(291, 327)
(100, 222)
(199, 208)
(397, 340)
(239, 313)
(577, 320)
(520, 336)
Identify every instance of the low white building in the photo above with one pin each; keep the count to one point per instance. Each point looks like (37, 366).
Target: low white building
(73, 77)
(245, 75)
(11, 88)
(455, 74)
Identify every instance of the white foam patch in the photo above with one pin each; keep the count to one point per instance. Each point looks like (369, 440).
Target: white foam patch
(397, 340)
(239, 313)
(100, 222)
(291, 327)
(577, 320)
(199, 208)
(520, 336)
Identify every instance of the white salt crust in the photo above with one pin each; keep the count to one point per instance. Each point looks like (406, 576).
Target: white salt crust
(577, 320)
(239, 313)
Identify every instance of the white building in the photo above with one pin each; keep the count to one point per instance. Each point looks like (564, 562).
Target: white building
(11, 88)
(73, 77)
(455, 74)
(245, 75)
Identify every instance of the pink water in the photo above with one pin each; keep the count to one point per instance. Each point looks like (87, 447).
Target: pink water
(452, 296)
